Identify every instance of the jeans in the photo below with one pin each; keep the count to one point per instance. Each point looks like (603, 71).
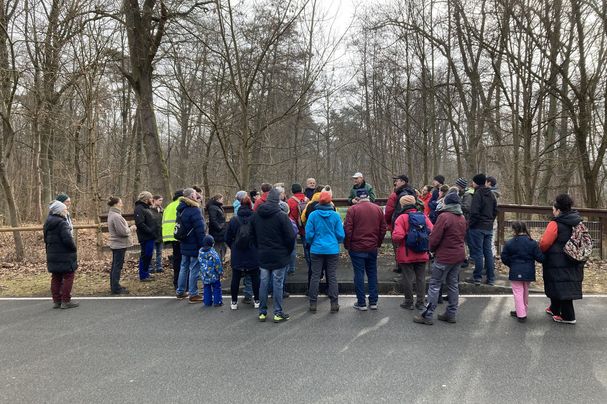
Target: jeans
(520, 291)
(145, 258)
(318, 261)
(443, 273)
(365, 262)
(61, 286)
(480, 251)
(417, 269)
(293, 262)
(277, 277)
(189, 273)
(158, 247)
(176, 263)
(117, 263)
(212, 294)
(248, 285)
(221, 247)
(252, 275)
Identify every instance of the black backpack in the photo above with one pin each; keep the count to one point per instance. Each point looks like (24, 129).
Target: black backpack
(244, 235)
(180, 233)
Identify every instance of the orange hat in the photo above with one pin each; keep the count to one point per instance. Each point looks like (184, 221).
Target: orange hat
(325, 198)
(407, 200)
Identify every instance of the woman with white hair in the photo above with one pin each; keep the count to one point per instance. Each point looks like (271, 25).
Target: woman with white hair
(61, 258)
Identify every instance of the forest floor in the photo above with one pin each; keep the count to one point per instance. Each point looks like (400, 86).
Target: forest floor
(31, 279)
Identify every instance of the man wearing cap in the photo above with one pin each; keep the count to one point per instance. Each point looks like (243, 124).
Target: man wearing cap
(169, 217)
(146, 233)
(483, 211)
(359, 183)
(365, 229)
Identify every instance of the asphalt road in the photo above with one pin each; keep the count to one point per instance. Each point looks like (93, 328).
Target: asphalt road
(166, 351)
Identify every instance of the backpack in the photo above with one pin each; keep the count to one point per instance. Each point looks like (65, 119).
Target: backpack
(301, 206)
(579, 245)
(244, 235)
(418, 234)
(180, 233)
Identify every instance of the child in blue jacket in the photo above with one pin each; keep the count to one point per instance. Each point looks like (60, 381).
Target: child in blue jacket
(212, 272)
(520, 254)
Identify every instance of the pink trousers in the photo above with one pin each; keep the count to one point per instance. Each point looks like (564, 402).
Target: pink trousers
(520, 291)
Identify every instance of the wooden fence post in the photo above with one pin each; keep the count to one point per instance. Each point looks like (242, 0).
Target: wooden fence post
(501, 218)
(603, 249)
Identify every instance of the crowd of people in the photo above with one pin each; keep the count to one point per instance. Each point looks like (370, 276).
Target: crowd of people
(429, 228)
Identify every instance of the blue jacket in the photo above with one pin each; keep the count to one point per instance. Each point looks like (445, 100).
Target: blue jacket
(520, 254)
(242, 259)
(324, 230)
(193, 222)
(210, 265)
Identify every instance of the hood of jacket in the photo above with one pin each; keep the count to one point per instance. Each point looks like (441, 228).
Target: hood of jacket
(270, 207)
(571, 218)
(53, 220)
(324, 210)
(454, 208)
(484, 191)
(245, 211)
(187, 202)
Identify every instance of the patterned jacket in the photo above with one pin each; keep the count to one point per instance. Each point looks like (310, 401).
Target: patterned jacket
(210, 265)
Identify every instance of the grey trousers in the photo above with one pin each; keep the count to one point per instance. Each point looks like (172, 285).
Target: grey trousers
(331, 273)
(448, 274)
(417, 270)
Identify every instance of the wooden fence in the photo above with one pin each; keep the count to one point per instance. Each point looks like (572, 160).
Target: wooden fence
(536, 216)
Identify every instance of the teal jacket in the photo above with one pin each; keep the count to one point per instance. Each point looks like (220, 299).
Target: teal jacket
(324, 230)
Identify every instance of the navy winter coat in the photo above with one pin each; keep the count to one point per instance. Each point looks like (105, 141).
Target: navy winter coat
(520, 254)
(145, 222)
(60, 247)
(194, 226)
(242, 259)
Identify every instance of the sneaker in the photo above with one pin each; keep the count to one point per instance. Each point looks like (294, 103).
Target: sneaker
(195, 299)
(69, 305)
(476, 282)
(234, 306)
(181, 296)
(334, 307)
(557, 319)
(262, 317)
(279, 318)
(446, 318)
(406, 306)
(56, 305)
(423, 320)
(256, 304)
(360, 308)
(313, 307)
(121, 291)
(246, 300)
(218, 305)
(549, 311)
(373, 306)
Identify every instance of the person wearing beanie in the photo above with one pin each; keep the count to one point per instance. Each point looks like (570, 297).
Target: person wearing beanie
(169, 218)
(324, 232)
(359, 182)
(189, 215)
(491, 183)
(275, 242)
(67, 201)
(365, 229)
(483, 211)
(146, 233)
(61, 258)
(447, 243)
(212, 272)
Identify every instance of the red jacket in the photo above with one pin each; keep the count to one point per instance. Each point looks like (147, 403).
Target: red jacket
(365, 227)
(426, 201)
(393, 201)
(401, 227)
(447, 238)
(260, 201)
(294, 213)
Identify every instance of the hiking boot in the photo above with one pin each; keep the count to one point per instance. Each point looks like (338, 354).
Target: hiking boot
(262, 317)
(423, 320)
(446, 318)
(181, 296)
(280, 317)
(334, 307)
(360, 308)
(121, 291)
(557, 319)
(313, 307)
(419, 306)
(256, 304)
(69, 305)
(549, 311)
(234, 306)
(407, 305)
(56, 305)
(373, 306)
(195, 299)
(246, 300)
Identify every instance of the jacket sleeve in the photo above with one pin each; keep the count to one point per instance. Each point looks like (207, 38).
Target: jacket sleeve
(372, 196)
(231, 231)
(549, 236)
(122, 228)
(537, 253)
(141, 224)
(348, 228)
(398, 232)
(66, 237)
(466, 203)
(382, 229)
(310, 230)
(437, 233)
(475, 208)
(215, 224)
(288, 234)
(339, 228)
(429, 224)
(390, 207)
(506, 255)
(199, 227)
(217, 264)
(352, 195)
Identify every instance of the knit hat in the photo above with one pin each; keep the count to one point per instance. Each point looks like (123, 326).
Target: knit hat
(188, 192)
(451, 199)
(362, 193)
(62, 197)
(461, 182)
(479, 179)
(144, 196)
(284, 206)
(325, 198)
(440, 179)
(407, 200)
(178, 194)
(240, 195)
(208, 241)
(56, 207)
(296, 188)
(273, 196)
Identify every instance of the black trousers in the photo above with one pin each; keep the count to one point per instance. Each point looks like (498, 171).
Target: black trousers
(238, 274)
(117, 263)
(563, 308)
(177, 263)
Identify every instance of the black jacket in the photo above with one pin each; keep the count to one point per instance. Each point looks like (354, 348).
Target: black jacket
(217, 221)
(274, 235)
(483, 209)
(563, 276)
(60, 247)
(157, 214)
(242, 259)
(144, 220)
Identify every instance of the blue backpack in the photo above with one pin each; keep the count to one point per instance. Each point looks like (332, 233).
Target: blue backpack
(418, 234)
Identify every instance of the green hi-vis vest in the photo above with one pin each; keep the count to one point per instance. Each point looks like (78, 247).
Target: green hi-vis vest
(169, 216)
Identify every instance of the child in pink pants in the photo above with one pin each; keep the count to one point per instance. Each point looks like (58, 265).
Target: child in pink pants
(520, 254)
